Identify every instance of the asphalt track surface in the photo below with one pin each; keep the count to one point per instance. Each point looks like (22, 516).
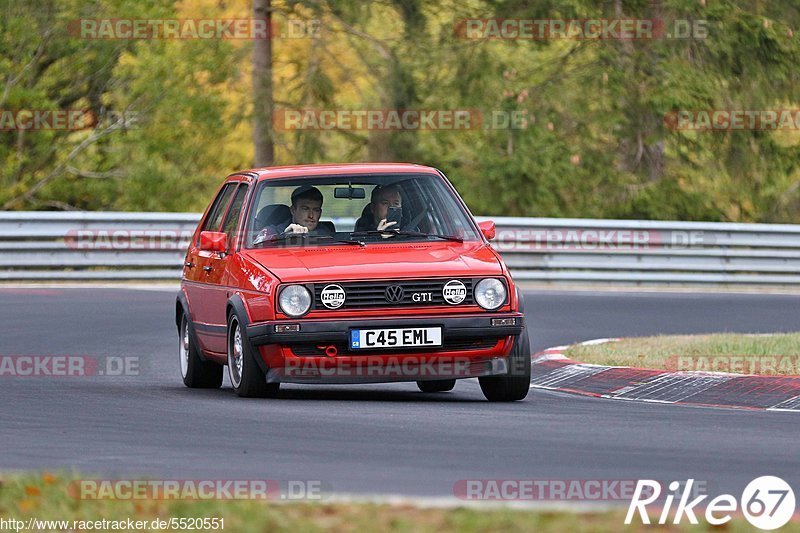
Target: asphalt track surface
(375, 439)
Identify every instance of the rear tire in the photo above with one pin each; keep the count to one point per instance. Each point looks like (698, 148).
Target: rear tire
(515, 385)
(246, 376)
(196, 372)
(439, 385)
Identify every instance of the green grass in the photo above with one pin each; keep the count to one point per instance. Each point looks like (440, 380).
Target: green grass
(777, 354)
(46, 497)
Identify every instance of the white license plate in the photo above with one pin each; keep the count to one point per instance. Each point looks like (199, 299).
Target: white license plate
(395, 338)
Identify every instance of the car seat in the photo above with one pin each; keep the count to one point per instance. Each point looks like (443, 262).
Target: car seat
(272, 215)
(328, 225)
(364, 221)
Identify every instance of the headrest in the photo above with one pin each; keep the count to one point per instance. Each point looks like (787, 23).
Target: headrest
(271, 215)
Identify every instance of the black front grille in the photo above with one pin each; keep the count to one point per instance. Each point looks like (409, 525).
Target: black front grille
(364, 294)
(318, 349)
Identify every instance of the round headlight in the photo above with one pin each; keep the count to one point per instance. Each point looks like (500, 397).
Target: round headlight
(295, 300)
(490, 293)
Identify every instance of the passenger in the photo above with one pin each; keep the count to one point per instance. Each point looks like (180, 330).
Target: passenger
(384, 210)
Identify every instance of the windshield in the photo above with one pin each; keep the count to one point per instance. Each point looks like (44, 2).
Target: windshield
(313, 211)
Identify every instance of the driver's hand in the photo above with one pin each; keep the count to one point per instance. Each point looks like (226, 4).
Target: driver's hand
(295, 228)
(382, 225)
(261, 237)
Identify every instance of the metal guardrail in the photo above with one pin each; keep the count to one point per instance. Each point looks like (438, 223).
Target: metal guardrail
(650, 252)
(47, 246)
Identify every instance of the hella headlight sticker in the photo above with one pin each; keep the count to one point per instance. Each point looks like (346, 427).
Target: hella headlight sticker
(333, 296)
(454, 292)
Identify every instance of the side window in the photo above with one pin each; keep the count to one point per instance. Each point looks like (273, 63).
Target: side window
(214, 218)
(235, 211)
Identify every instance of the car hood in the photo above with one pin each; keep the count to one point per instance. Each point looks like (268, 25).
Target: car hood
(376, 261)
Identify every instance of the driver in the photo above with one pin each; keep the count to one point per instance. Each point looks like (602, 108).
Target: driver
(306, 211)
(385, 200)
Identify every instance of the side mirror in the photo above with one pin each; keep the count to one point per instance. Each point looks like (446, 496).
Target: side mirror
(213, 241)
(487, 228)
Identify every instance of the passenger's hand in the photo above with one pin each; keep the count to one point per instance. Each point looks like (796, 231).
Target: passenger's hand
(382, 225)
(296, 228)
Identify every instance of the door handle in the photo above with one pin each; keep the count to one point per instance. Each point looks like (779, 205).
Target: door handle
(188, 264)
(208, 268)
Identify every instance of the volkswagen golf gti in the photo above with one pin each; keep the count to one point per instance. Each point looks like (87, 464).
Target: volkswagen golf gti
(360, 273)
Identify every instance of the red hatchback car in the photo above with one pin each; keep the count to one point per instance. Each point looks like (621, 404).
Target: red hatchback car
(348, 274)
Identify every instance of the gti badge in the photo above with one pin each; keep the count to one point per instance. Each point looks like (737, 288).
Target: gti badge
(332, 296)
(454, 292)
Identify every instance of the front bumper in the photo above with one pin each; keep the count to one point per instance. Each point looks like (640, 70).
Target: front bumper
(335, 330)
(456, 358)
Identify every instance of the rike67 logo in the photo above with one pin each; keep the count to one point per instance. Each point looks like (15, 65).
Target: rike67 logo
(767, 503)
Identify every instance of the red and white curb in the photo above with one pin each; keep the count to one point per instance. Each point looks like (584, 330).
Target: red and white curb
(552, 370)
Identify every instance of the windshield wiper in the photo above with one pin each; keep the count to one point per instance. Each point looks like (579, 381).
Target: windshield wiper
(287, 236)
(406, 233)
(343, 241)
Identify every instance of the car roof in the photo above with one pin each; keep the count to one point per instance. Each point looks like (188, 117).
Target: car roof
(334, 169)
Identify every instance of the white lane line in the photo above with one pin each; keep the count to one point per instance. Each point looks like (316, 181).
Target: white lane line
(131, 286)
(595, 342)
(451, 502)
(549, 357)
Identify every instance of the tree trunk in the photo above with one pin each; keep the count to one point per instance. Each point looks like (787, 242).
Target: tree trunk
(262, 89)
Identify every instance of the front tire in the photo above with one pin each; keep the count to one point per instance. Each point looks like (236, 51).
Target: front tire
(515, 385)
(246, 376)
(438, 385)
(196, 373)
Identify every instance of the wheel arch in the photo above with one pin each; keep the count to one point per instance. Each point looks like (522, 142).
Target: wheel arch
(181, 308)
(237, 305)
(520, 300)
